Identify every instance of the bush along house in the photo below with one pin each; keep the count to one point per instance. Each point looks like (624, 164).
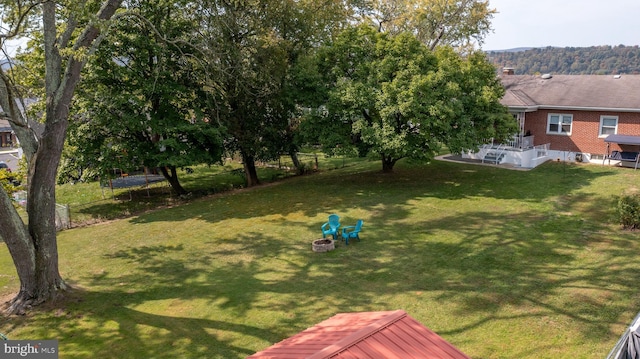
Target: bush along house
(582, 118)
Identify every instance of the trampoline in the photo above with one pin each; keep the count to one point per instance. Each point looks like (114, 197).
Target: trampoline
(130, 181)
(134, 181)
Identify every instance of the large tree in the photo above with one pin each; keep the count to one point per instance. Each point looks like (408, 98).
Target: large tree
(405, 101)
(458, 23)
(143, 100)
(70, 31)
(253, 45)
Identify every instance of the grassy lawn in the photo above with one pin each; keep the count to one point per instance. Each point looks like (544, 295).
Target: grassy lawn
(90, 203)
(503, 264)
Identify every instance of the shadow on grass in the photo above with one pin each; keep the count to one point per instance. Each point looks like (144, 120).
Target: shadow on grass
(490, 263)
(124, 202)
(550, 258)
(384, 195)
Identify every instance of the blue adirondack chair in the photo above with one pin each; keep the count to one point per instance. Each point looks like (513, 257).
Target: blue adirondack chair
(331, 227)
(352, 231)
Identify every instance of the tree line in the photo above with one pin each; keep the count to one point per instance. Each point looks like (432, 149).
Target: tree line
(172, 83)
(595, 60)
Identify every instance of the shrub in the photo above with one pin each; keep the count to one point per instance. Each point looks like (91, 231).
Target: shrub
(629, 211)
(9, 181)
(304, 168)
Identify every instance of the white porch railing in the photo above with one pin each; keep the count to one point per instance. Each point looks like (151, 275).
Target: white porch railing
(542, 150)
(526, 143)
(505, 154)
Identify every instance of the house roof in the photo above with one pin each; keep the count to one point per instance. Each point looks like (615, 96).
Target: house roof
(580, 92)
(386, 334)
(4, 126)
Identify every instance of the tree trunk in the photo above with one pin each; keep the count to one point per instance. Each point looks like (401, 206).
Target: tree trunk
(18, 241)
(387, 164)
(41, 208)
(33, 247)
(173, 179)
(295, 159)
(251, 175)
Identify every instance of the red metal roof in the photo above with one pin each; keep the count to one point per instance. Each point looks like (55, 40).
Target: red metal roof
(387, 334)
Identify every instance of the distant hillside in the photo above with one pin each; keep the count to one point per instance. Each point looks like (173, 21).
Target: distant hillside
(595, 60)
(517, 49)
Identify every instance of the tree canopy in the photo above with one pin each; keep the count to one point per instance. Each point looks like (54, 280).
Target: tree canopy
(253, 47)
(457, 23)
(142, 102)
(404, 101)
(69, 34)
(176, 80)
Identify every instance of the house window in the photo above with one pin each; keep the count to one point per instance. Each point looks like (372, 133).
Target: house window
(608, 125)
(559, 124)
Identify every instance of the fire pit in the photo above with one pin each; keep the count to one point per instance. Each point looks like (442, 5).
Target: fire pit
(323, 245)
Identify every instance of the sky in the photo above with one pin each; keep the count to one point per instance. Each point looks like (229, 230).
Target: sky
(563, 23)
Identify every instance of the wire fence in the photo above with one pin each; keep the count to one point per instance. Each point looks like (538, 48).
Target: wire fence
(63, 215)
(124, 189)
(307, 161)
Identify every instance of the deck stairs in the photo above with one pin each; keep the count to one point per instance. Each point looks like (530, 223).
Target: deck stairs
(493, 157)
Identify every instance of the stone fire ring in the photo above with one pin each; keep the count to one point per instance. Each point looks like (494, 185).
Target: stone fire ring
(323, 245)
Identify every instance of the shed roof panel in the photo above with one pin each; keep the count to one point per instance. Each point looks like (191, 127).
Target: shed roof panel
(387, 334)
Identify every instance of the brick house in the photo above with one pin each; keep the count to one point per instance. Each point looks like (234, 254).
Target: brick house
(568, 118)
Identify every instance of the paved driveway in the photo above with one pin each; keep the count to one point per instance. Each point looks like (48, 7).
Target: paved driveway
(10, 159)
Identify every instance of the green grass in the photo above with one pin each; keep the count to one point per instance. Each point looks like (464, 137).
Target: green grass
(503, 264)
(90, 203)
